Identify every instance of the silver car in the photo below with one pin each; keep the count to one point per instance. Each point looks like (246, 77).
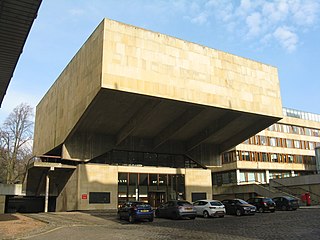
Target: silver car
(176, 209)
(209, 208)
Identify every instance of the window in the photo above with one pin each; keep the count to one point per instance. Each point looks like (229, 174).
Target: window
(286, 128)
(242, 177)
(265, 157)
(263, 140)
(274, 157)
(299, 159)
(307, 131)
(99, 197)
(272, 128)
(296, 143)
(251, 177)
(290, 158)
(311, 145)
(273, 142)
(245, 156)
(289, 143)
(198, 196)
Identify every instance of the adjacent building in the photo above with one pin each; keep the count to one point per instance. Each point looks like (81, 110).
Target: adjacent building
(138, 115)
(285, 149)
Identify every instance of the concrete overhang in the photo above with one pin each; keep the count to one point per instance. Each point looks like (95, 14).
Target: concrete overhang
(133, 89)
(125, 116)
(37, 172)
(16, 19)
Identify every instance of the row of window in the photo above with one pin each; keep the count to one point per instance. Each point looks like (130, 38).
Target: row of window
(300, 114)
(277, 127)
(234, 156)
(281, 142)
(132, 158)
(229, 177)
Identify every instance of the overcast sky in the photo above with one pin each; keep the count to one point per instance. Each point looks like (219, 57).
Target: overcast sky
(283, 33)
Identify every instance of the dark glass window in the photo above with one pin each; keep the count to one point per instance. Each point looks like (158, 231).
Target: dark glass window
(198, 196)
(99, 197)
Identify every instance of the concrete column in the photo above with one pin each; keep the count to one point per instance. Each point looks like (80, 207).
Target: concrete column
(47, 192)
(137, 194)
(238, 176)
(46, 200)
(267, 176)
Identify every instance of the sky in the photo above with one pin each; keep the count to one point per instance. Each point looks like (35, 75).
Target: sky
(281, 33)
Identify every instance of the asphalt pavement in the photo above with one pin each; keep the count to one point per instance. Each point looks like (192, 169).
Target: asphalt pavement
(300, 224)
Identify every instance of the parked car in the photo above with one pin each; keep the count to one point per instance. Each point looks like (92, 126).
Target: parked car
(263, 204)
(133, 211)
(238, 207)
(286, 203)
(209, 208)
(176, 209)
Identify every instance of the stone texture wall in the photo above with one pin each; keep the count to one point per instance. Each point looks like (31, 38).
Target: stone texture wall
(198, 181)
(146, 62)
(67, 99)
(69, 197)
(2, 203)
(97, 178)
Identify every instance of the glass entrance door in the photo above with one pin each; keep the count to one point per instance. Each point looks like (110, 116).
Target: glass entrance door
(156, 198)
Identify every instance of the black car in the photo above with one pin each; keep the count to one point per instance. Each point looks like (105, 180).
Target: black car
(263, 204)
(176, 209)
(286, 203)
(238, 207)
(133, 211)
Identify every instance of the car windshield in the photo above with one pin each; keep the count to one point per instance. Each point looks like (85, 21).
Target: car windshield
(267, 200)
(241, 201)
(140, 204)
(215, 203)
(290, 198)
(183, 203)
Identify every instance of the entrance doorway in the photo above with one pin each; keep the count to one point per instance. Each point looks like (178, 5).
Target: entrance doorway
(150, 187)
(156, 198)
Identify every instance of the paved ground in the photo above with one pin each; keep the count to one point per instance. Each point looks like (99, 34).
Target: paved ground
(300, 224)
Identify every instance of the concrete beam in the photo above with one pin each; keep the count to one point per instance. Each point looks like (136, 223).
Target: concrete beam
(214, 127)
(176, 125)
(137, 119)
(260, 123)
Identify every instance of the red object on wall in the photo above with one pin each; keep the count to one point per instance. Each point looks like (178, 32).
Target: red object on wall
(308, 199)
(84, 196)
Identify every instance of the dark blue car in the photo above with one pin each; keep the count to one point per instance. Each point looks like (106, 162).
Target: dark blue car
(133, 211)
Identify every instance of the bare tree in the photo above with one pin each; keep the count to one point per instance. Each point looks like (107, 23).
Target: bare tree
(16, 144)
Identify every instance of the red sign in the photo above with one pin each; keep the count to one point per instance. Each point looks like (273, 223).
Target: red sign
(84, 196)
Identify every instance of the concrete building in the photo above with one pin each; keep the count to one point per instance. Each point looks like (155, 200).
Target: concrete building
(141, 115)
(285, 149)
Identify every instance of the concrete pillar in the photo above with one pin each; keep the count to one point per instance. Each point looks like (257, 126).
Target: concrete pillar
(46, 199)
(47, 191)
(267, 176)
(238, 176)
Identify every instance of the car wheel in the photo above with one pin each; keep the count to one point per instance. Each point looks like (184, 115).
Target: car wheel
(238, 212)
(260, 210)
(175, 215)
(283, 208)
(272, 210)
(120, 217)
(205, 214)
(222, 216)
(150, 219)
(131, 219)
